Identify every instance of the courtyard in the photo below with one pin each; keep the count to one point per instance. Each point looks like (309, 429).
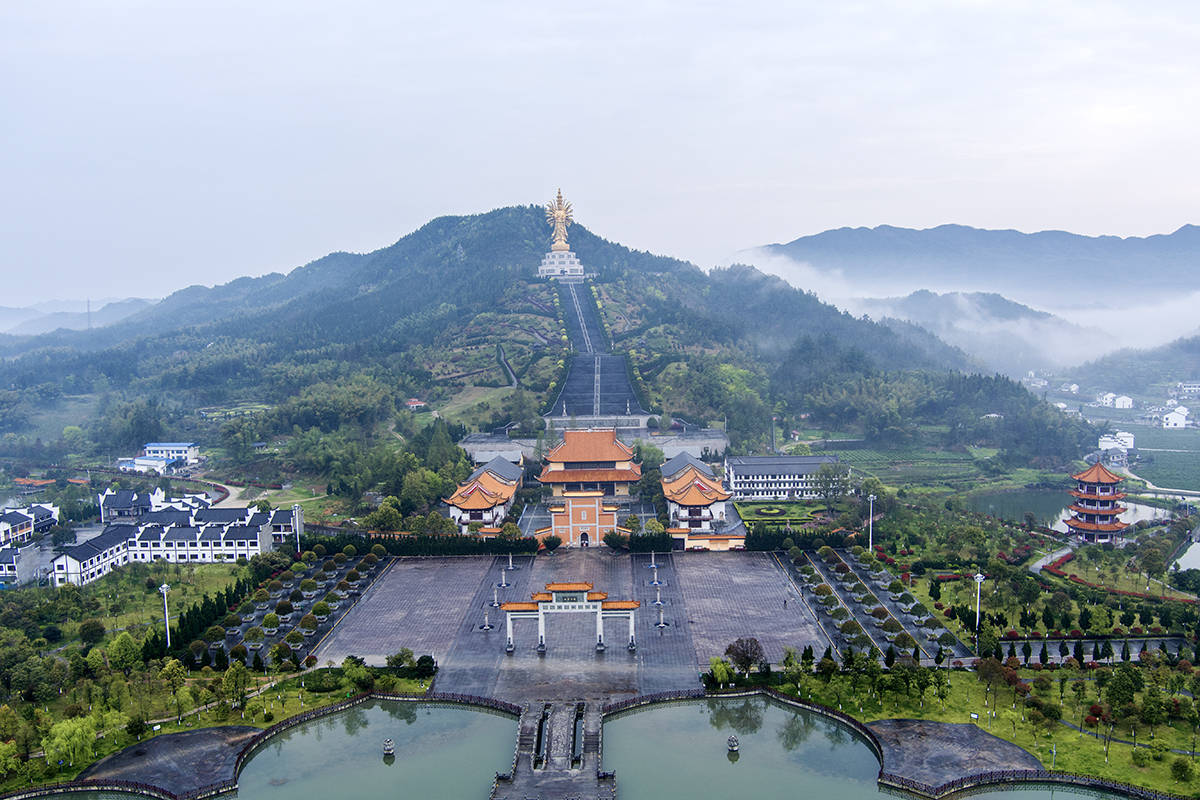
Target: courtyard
(443, 606)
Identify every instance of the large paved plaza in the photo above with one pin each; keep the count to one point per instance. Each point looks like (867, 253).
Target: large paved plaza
(440, 605)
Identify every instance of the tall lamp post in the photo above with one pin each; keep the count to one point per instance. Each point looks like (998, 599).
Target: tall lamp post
(166, 614)
(979, 579)
(871, 525)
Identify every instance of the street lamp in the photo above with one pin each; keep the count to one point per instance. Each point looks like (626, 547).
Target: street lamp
(979, 579)
(871, 525)
(166, 614)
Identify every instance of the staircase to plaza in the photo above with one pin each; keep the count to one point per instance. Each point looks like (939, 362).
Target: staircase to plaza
(558, 754)
(597, 392)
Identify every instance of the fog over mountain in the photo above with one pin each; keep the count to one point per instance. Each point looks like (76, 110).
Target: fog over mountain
(73, 315)
(1004, 335)
(1059, 286)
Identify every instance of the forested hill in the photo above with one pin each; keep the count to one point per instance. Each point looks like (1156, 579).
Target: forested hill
(1142, 372)
(426, 315)
(1006, 261)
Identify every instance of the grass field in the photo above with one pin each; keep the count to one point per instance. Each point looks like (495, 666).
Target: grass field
(796, 513)
(47, 423)
(475, 404)
(1075, 752)
(125, 601)
(915, 465)
(1170, 470)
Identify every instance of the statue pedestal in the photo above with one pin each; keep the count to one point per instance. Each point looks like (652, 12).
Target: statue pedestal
(560, 264)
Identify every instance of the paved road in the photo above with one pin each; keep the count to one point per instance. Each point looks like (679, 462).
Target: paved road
(1036, 566)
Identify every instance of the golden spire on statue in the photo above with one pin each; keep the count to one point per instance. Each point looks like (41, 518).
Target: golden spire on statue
(558, 214)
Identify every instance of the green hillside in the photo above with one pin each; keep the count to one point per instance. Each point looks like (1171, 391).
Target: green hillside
(345, 339)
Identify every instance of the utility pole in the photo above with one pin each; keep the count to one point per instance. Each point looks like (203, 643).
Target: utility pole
(166, 614)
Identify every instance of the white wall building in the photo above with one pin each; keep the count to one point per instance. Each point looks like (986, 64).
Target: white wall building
(1175, 419)
(172, 536)
(1122, 401)
(1106, 398)
(188, 452)
(560, 264)
(774, 477)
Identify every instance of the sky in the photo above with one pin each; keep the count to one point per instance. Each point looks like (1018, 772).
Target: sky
(147, 146)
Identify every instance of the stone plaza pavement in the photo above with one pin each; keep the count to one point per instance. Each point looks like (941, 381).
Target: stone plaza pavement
(439, 606)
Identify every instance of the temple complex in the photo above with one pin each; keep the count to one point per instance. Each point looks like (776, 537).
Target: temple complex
(590, 473)
(1095, 514)
(486, 496)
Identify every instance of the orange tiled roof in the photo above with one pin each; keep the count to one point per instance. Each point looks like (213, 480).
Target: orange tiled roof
(620, 605)
(33, 481)
(1114, 511)
(518, 606)
(597, 596)
(691, 488)
(1096, 526)
(1088, 496)
(601, 445)
(569, 586)
(591, 475)
(1097, 473)
(542, 597)
(486, 491)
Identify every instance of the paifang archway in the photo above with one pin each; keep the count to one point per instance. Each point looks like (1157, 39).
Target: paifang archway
(571, 598)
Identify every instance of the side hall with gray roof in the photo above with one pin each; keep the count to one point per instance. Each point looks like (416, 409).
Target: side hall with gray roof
(502, 468)
(679, 463)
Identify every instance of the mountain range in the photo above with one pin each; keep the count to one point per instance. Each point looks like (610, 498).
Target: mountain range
(1032, 267)
(50, 316)
(1004, 335)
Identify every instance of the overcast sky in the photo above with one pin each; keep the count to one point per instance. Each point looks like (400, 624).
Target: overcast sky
(145, 146)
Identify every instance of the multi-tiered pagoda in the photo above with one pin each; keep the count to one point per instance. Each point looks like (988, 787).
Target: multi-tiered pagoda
(1095, 514)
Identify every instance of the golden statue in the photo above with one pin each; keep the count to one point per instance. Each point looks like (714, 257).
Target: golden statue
(558, 214)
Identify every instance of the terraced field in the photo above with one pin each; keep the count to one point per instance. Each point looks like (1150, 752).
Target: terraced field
(917, 465)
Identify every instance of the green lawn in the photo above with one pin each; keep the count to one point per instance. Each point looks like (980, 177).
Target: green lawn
(124, 599)
(277, 702)
(795, 513)
(475, 404)
(1170, 470)
(1075, 752)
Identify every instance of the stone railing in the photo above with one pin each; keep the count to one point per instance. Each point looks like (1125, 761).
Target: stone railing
(252, 746)
(999, 777)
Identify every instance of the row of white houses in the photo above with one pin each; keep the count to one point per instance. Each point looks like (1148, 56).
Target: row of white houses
(18, 525)
(205, 536)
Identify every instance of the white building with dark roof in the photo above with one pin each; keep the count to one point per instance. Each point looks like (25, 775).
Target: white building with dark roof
(774, 477)
(8, 567)
(205, 536)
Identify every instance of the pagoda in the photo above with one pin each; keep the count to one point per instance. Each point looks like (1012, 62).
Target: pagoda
(1095, 514)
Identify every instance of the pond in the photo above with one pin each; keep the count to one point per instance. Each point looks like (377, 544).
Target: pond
(667, 752)
(678, 752)
(441, 751)
(1048, 505)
